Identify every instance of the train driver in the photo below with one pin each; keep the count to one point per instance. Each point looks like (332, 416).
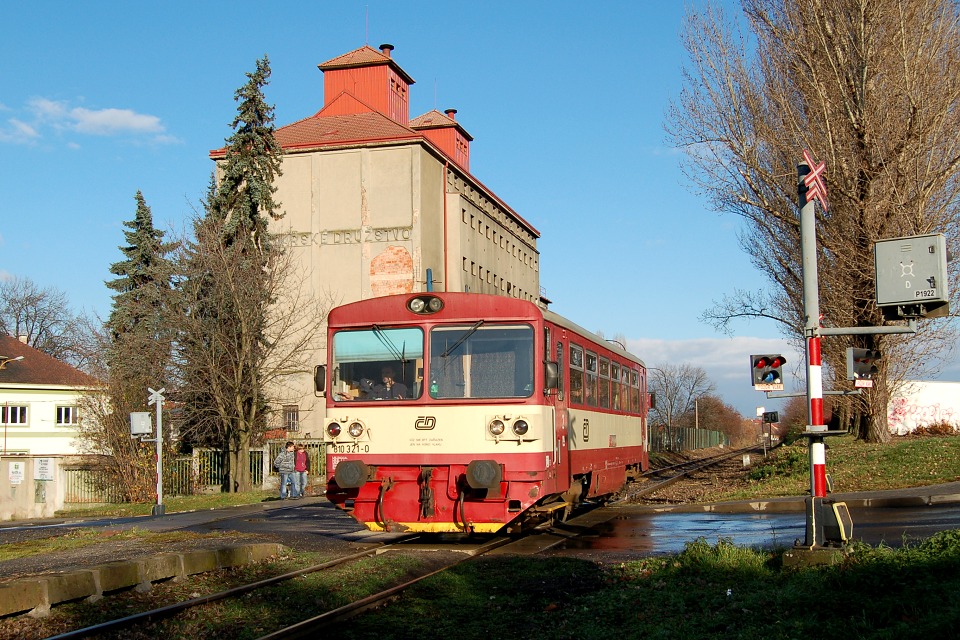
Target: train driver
(390, 389)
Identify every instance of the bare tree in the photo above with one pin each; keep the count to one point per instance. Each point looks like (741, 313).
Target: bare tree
(869, 86)
(712, 413)
(247, 342)
(677, 387)
(231, 276)
(42, 317)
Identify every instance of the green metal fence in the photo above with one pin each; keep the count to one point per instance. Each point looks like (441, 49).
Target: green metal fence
(89, 486)
(183, 475)
(212, 467)
(664, 438)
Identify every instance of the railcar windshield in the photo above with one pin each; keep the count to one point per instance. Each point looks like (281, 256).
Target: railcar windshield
(481, 360)
(377, 364)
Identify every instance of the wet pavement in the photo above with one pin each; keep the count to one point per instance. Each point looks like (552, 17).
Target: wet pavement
(888, 517)
(892, 518)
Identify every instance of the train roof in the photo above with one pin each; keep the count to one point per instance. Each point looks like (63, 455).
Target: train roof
(572, 326)
(480, 305)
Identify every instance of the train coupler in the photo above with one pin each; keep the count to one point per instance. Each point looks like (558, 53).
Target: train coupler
(428, 508)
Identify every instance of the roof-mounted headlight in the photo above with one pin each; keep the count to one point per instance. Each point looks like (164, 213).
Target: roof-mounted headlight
(425, 304)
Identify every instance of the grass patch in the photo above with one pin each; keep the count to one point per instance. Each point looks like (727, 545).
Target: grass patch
(853, 465)
(173, 504)
(707, 591)
(80, 538)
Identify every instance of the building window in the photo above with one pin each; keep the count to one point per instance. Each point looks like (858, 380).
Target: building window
(291, 417)
(12, 414)
(67, 415)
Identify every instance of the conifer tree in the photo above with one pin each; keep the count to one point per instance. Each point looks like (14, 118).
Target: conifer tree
(230, 278)
(137, 353)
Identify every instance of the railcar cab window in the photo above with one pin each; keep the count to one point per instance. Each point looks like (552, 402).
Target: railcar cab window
(377, 364)
(481, 360)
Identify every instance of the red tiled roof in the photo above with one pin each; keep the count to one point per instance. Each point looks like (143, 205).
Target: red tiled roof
(436, 120)
(363, 57)
(37, 367)
(321, 130)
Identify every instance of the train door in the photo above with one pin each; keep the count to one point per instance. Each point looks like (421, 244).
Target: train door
(558, 400)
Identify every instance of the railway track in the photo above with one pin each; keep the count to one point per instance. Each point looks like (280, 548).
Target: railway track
(663, 477)
(534, 542)
(308, 627)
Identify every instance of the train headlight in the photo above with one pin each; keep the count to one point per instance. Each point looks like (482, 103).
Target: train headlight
(496, 427)
(333, 430)
(356, 429)
(425, 304)
(520, 427)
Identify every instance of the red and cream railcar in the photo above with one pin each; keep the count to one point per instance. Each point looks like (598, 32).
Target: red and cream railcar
(450, 412)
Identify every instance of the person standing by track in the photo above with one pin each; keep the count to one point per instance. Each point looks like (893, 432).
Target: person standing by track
(301, 468)
(285, 464)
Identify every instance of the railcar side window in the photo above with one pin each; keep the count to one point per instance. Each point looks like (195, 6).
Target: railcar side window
(377, 364)
(615, 385)
(591, 390)
(604, 383)
(560, 365)
(481, 361)
(576, 374)
(635, 391)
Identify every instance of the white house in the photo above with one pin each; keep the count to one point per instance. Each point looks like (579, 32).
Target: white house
(39, 400)
(918, 403)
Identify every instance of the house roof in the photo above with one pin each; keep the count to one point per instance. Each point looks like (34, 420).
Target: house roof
(36, 367)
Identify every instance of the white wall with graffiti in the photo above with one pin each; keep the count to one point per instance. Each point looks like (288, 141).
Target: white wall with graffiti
(919, 404)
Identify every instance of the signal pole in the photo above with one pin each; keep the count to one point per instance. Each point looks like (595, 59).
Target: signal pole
(810, 187)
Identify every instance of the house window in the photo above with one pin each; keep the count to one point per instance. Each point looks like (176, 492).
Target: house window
(67, 415)
(291, 417)
(12, 414)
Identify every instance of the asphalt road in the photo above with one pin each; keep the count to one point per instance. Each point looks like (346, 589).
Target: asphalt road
(632, 531)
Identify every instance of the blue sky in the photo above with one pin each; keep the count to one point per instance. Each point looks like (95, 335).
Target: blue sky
(565, 101)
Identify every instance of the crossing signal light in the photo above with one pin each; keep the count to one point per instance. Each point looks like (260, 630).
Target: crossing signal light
(862, 365)
(767, 372)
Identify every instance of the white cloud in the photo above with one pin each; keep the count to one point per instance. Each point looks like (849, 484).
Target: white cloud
(61, 117)
(113, 121)
(18, 132)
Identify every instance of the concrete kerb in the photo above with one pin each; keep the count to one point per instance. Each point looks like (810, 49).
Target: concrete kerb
(37, 594)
